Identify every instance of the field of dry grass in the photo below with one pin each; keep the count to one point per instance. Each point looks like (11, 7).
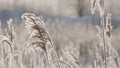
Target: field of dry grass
(74, 43)
(36, 43)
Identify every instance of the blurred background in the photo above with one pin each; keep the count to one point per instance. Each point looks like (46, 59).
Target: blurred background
(69, 8)
(66, 9)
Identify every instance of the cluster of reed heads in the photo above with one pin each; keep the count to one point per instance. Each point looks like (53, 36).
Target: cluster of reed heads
(40, 41)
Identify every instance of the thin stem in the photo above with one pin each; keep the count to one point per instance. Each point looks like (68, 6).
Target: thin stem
(104, 41)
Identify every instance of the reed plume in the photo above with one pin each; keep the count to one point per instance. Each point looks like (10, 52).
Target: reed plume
(39, 37)
(104, 36)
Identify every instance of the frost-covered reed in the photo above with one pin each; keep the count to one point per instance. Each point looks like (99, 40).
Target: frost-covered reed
(109, 55)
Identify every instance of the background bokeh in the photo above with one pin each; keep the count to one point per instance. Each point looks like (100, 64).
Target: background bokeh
(72, 8)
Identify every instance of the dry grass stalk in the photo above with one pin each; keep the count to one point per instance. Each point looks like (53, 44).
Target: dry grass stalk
(39, 37)
(8, 45)
(73, 60)
(9, 36)
(7, 41)
(105, 35)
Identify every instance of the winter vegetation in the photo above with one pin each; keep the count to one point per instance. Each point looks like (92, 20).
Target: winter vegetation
(32, 44)
(36, 43)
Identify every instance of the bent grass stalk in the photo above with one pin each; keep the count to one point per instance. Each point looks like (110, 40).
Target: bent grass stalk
(38, 31)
